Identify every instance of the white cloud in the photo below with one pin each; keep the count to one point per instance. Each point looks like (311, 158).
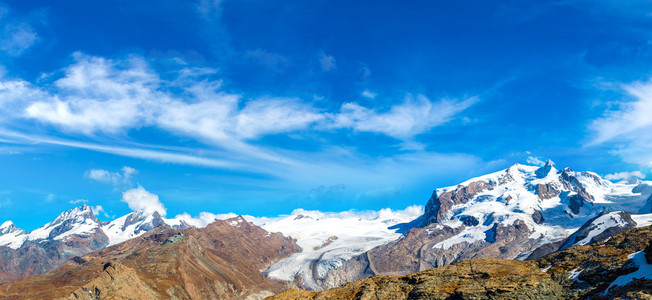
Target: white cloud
(101, 95)
(140, 199)
(97, 94)
(402, 121)
(327, 62)
(369, 94)
(267, 116)
(629, 176)
(628, 129)
(117, 179)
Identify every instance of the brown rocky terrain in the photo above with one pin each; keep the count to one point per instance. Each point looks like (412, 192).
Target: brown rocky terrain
(584, 272)
(472, 279)
(223, 260)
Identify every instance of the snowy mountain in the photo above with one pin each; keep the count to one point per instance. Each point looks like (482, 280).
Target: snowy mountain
(517, 213)
(522, 212)
(78, 221)
(75, 232)
(551, 203)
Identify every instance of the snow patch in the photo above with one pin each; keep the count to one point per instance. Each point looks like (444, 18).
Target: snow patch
(644, 271)
(573, 274)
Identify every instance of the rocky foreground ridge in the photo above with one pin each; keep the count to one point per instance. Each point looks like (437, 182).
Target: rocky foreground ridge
(616, 269)
(223, 260)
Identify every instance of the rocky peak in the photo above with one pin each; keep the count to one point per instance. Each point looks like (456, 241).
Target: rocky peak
(439, 205)
(77, 215)
(143, 221)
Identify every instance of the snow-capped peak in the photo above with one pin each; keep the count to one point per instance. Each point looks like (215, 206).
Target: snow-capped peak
(78, 214)
(135, 224)
(8, 227)
(11, 236)
(77, 221)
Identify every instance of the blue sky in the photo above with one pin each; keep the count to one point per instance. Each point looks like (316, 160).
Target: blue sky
(261, 107)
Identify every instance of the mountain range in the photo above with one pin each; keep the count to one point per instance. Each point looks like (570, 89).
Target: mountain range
(524, 212)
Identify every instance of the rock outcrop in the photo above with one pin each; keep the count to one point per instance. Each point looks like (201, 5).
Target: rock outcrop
(473, 279)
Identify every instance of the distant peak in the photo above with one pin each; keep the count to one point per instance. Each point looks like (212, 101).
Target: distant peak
(9, 227)
(7, 224)
(83, 212)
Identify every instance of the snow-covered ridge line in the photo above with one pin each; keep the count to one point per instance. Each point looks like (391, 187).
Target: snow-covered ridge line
(81, 221)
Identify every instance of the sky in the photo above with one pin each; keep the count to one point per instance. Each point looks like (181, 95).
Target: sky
(262, 107)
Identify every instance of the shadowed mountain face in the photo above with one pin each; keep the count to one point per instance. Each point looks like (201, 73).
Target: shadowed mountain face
(613, 269)
(220, 261)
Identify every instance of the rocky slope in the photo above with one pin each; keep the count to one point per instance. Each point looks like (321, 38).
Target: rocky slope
(617, 269)
(521, 212)
(220, 261)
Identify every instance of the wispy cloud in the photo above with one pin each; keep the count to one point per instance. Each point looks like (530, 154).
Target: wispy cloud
(17, 38)
(368, 94)
(98, 102)
(16, 33)
(117, 179)
(630, 116)
(104, 96)
(629, 126)
(402, 121)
